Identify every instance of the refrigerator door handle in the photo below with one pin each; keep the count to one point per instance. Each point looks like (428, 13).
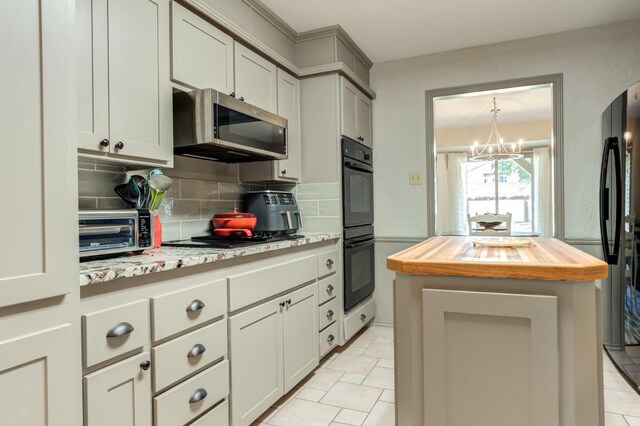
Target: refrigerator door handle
(619, 199)
(610, 144)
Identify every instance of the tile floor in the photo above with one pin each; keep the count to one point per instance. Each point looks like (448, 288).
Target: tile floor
(354, 386)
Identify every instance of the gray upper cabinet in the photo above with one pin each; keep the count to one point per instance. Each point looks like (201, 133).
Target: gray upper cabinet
(256, 79)
(355, 115)
(36, 144)
(201, 54)
(364, 119)
(124, 91)
(288, 107)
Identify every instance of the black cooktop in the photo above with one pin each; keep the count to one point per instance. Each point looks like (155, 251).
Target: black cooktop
(213, 241)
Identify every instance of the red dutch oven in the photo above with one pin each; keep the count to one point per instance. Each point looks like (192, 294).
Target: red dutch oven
(235, 220)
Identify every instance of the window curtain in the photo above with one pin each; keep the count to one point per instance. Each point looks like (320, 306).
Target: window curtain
(542, 202)
(451, 196)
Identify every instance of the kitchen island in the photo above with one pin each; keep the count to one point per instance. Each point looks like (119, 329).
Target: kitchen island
(497, 336)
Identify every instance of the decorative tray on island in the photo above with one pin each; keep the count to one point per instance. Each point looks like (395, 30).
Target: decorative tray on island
(503, 242)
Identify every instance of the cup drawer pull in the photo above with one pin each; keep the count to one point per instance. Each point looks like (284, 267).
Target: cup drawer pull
(195, 306)
(120, 329)
(198, 396)
(196, 351)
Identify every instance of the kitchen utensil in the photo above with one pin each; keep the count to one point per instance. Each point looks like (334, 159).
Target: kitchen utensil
(233, 232)
(146, 194)
(123, 192)
(134, 192)
(154, 172)
(235, 220)
(159, 184)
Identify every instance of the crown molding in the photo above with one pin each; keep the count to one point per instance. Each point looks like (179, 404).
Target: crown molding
(203, 9)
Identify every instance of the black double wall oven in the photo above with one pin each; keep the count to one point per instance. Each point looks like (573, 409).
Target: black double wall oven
(357, 208)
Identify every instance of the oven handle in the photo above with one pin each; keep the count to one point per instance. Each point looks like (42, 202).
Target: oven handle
(356, 166)
(359, 243)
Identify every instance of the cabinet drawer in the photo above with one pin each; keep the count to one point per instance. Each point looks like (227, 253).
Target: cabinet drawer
(358, 318)
(195, 396)
(261, 284)
(328, 339)
(327, 314)
(115, 331)
(187, 354)
(327, 289)
(327, 263)
(219, 416)
(184, 309)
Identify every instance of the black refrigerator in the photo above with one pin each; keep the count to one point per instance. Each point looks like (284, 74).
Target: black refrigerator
(620, 230)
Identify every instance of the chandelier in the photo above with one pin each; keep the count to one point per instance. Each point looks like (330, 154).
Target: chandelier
(495, 148)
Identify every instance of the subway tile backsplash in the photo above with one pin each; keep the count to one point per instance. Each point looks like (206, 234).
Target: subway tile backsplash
(188, 206)
(320, 204)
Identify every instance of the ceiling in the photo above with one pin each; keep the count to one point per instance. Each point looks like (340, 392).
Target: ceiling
(474, 109)
(387, 30)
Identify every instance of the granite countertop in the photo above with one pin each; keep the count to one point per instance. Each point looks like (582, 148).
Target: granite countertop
(168, 258)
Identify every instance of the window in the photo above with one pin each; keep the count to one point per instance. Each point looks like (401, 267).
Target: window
(503, 186)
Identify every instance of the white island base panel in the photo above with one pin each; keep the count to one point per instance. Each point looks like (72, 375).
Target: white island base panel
(497, 352)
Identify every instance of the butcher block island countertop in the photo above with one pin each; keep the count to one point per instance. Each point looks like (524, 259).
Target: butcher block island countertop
(545, 259)
(489, 336)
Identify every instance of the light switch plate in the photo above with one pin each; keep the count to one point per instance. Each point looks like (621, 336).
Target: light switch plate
(415, 178)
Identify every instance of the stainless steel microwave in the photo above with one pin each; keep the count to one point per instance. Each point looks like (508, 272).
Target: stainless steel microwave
(210, 125)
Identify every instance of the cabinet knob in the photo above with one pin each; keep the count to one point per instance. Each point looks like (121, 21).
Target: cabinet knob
(119, 330)
(329, 263)
(198, 396)
(330, 338)
(329, 313)
(119, 145)
(232, 94)
(363, 317)
(197, 350)
(284, 172)
(282, 304)
(330, 288)
(145, 365)
(195, 306)
(104, 143)
(288, 302)
(241, 98)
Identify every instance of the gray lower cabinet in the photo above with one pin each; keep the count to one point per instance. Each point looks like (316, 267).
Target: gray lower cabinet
(300, 325)
(255, 342)
(35, 371)
(272, 346)
(120, 394)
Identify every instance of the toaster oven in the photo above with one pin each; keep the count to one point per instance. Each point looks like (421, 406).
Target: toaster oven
(110, 233)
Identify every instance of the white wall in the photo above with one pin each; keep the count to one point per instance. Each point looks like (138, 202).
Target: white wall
(598, 64)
